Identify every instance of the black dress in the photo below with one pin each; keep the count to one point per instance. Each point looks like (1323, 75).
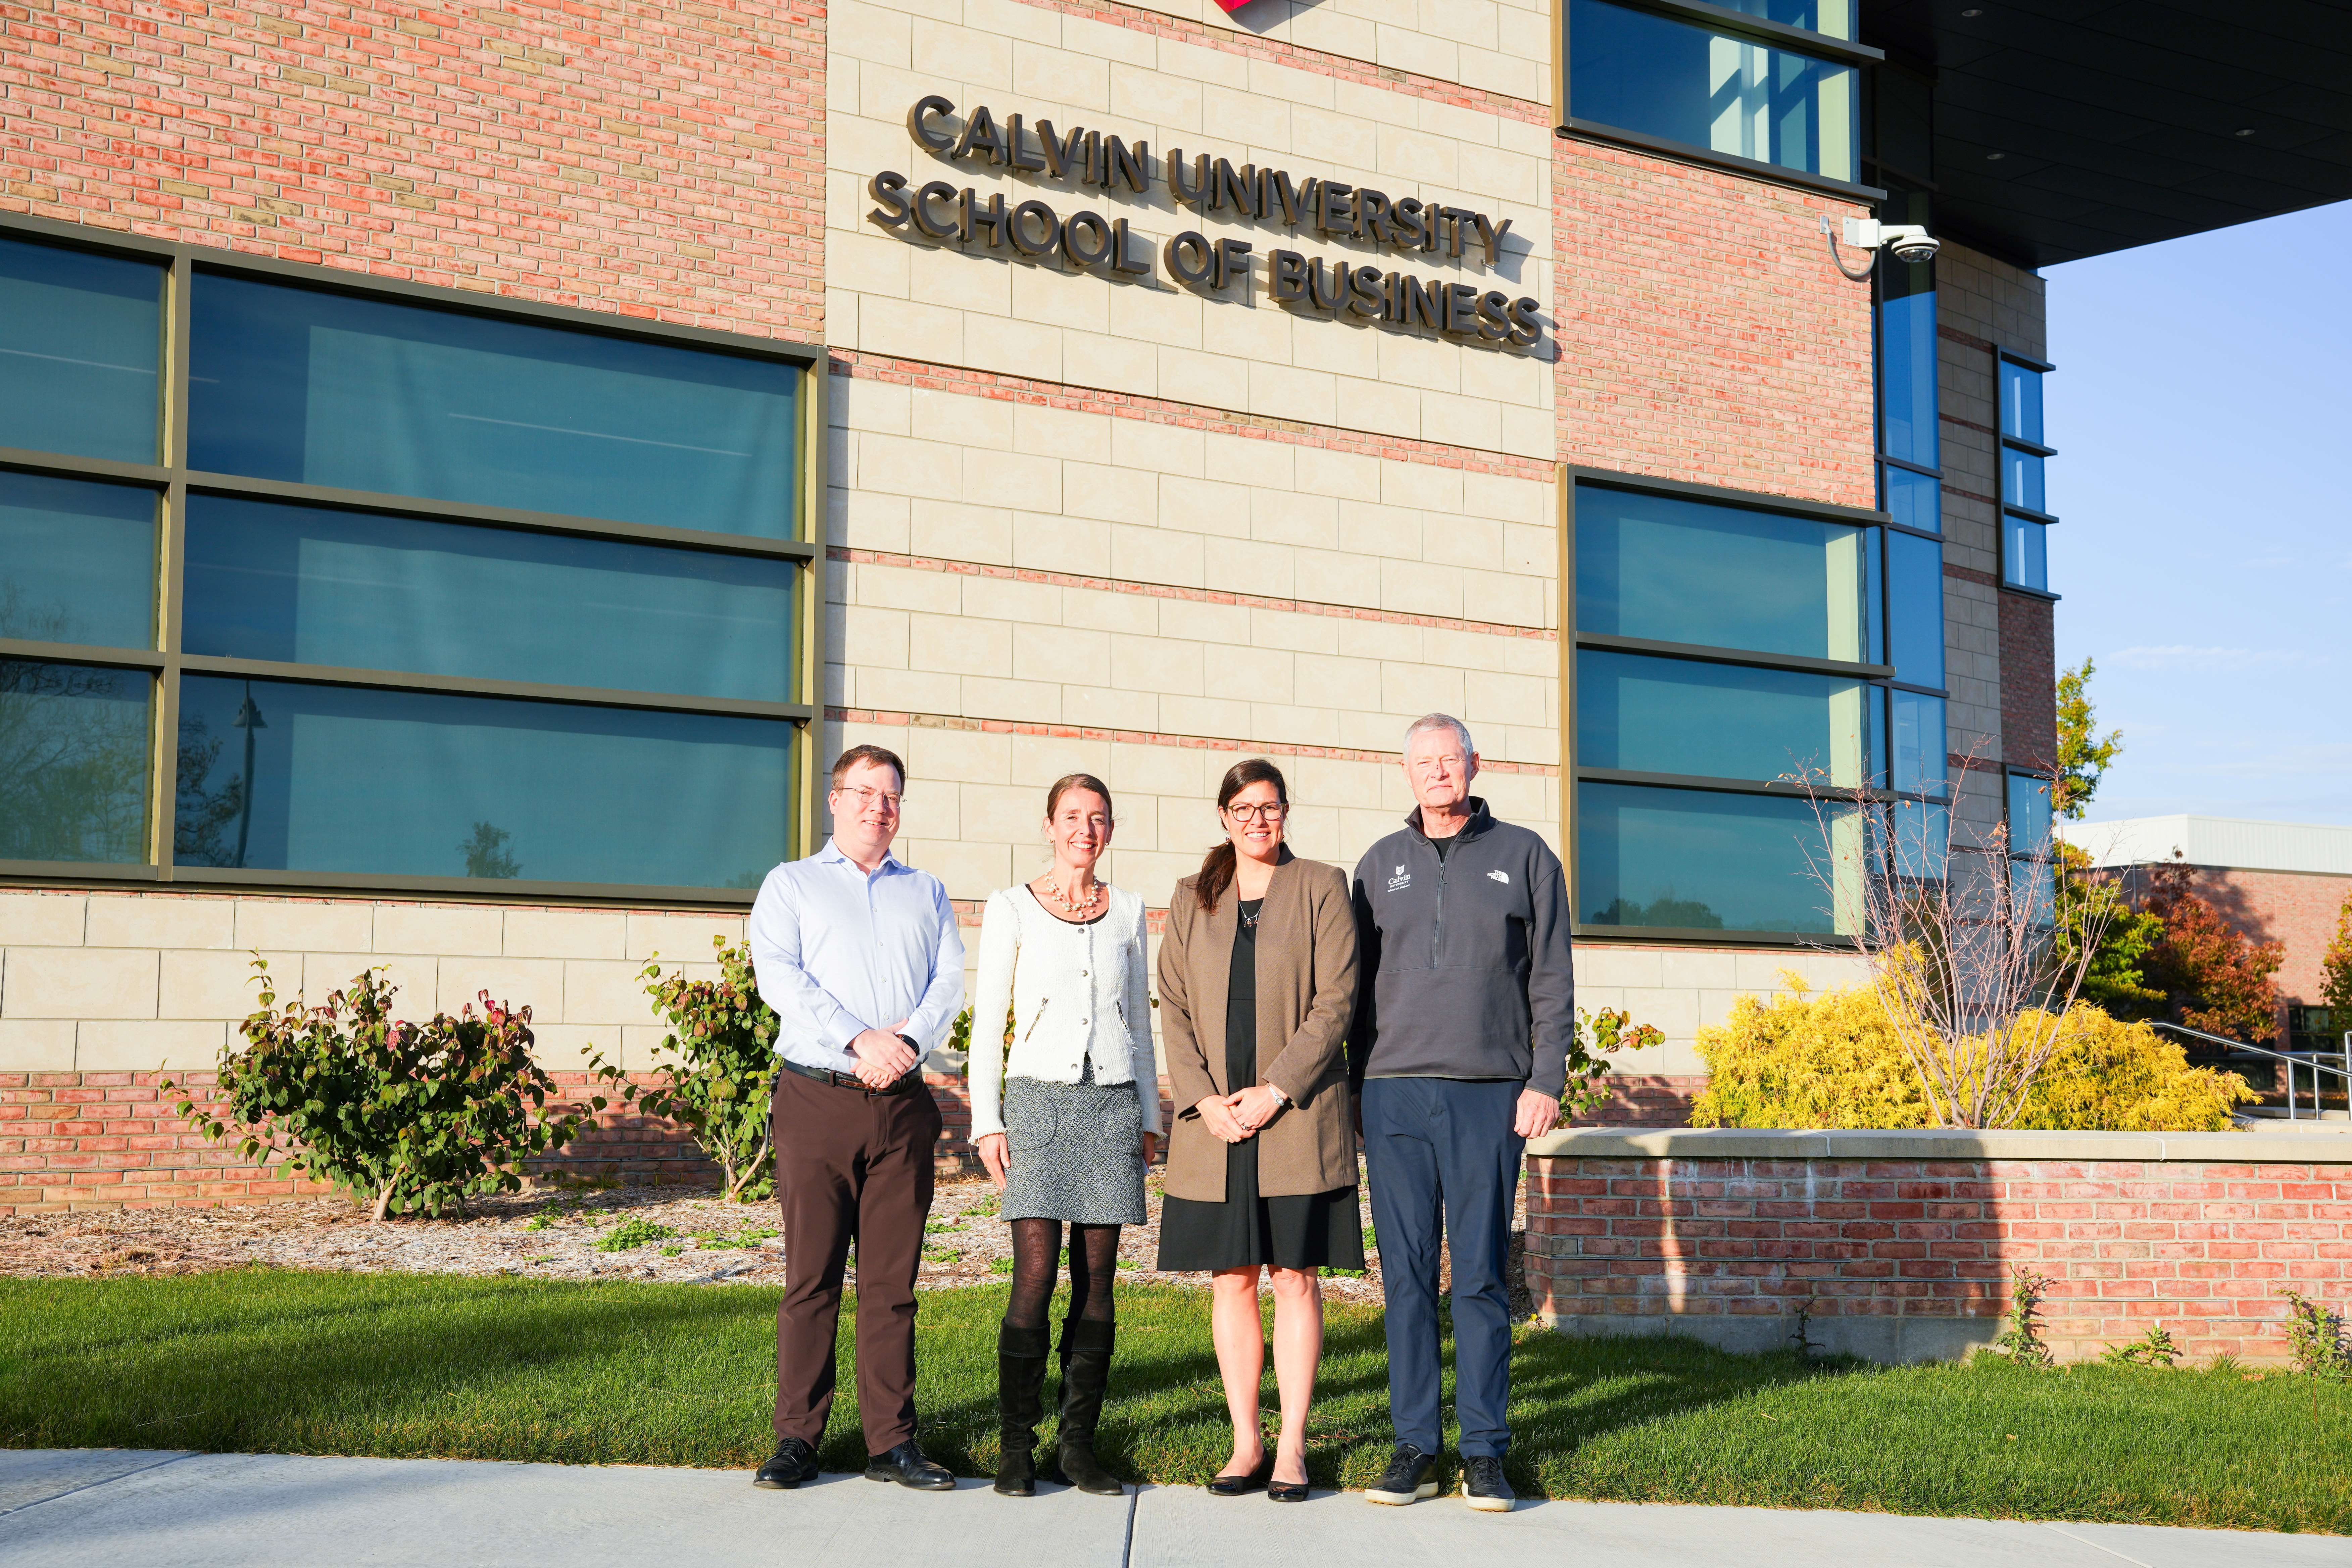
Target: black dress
(1310, 1230)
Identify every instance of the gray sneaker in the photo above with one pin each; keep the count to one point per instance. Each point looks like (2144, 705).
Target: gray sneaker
(1411, 1475)
(1482, 1486)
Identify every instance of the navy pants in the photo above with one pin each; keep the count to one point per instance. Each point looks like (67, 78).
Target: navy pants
(1443, 1164)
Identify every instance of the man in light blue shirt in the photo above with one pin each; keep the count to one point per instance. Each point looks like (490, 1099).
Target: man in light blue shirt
(858, 954)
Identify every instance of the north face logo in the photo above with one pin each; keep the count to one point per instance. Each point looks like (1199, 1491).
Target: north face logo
(1502, 876)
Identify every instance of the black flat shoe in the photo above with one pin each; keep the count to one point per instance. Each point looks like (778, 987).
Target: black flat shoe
(1241, 1486)
(792, 1463)
(906, 1465)
(1286, 1491)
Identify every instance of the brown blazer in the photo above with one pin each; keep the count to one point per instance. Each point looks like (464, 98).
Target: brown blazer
(1306, 996)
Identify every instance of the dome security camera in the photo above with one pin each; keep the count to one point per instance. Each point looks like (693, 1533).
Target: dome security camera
(1909, 242)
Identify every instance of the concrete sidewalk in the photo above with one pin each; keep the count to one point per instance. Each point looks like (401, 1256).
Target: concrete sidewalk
(168, 1509)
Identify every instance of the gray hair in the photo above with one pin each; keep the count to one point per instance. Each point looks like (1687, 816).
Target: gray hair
(1440, 721)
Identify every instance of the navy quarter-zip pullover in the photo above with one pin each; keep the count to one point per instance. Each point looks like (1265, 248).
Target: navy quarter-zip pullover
(1466, 971)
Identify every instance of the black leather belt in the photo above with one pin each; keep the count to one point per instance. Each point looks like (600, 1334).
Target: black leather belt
(906, 1080)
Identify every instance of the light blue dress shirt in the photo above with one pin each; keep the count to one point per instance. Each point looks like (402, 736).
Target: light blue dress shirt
(837, 953)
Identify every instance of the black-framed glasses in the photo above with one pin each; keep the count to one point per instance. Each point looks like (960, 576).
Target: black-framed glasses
(1272, 811)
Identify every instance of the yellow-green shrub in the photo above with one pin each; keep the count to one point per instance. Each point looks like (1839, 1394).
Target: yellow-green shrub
(2114, 1077)
(1831, 1059)
(1802, 1059)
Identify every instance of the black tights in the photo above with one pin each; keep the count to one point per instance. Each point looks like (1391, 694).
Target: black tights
(1037, 1248)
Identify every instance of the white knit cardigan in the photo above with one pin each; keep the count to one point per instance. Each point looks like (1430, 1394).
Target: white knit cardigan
(1074, 992)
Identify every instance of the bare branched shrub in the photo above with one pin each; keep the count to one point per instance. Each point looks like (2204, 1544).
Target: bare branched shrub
(1957, 936)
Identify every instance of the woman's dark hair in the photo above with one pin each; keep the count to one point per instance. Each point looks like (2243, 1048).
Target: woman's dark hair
(1217, 870)
(1069, 782)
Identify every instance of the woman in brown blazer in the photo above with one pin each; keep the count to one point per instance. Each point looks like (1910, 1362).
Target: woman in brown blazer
(1257, 982)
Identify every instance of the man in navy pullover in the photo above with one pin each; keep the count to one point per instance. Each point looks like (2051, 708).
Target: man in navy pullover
(1464, 1012)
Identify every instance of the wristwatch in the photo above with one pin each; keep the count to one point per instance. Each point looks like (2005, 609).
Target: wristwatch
(913, 1046)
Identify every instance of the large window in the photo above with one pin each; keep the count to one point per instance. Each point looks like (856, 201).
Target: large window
(441, 593)
(1737, 93)
(1731, 712)
(2024, 495)
(2032, 852)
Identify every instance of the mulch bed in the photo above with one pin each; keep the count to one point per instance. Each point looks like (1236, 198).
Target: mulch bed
(551, 1233)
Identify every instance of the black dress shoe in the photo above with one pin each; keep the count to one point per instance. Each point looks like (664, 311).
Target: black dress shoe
(1286, 1491)
(906, 1465)
(792, 1463)
(1241, 1486)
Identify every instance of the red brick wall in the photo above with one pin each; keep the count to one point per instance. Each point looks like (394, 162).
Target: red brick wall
(2298, 909)
(1703, 333)
(2029, 683)
(1653, 1100)
(2201, 1249)
(664, 161)
(71, 1140)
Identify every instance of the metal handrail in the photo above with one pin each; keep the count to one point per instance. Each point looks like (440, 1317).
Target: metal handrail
(2311, 1060)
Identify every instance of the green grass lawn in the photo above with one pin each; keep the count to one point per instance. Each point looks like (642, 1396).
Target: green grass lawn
(672, 1375)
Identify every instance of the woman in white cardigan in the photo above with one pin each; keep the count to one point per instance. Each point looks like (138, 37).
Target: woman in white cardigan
(1066, 1116)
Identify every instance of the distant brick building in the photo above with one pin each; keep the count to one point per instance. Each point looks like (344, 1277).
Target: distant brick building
(2275, 881)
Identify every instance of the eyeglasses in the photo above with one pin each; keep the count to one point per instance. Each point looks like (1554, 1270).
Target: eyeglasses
(1272, 811)
(867, 798)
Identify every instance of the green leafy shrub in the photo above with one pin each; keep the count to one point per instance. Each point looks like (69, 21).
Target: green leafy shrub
(632, 1234)
(416, 1117)
(2021, 1340)
(1832, 1060)
(1599, 1036)
(2155, 1348)
(723, 1038)
(2315, 1338)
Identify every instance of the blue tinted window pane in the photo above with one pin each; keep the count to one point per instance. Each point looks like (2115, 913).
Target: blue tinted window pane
(2021, 403)
(1683, 571)
(1916, 745)
(1649, 73)
(1698, 861)
(2020, 480)
(1907, 373)
(1915, 608)
(1912, 499)
(2024, 555)
(1923, 838)
(73, 763)
(1832, 18)
(1715, 720)
(81, 338)
(363, 591)
(409, 784)
(2029, 816)
(76, 561)
(326, 389)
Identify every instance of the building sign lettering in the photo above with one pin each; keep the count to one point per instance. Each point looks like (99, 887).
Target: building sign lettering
(940, 211)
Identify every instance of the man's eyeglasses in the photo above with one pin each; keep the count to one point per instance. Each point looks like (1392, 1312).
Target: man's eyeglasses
(867, 798)
(1272, 811)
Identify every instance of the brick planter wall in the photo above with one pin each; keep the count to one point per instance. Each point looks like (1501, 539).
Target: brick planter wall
(103, 1140)
(1899, 1246)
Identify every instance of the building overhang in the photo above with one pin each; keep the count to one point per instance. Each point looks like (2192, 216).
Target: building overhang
(2072, 128)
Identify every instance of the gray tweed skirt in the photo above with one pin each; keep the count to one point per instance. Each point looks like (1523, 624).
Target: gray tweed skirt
(1076, 1150)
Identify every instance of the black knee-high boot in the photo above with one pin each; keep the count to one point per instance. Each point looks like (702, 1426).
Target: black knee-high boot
(1021, 1404)
(1085, 1377)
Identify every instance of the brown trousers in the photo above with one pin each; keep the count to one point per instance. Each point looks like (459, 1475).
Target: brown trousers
(850, 1166)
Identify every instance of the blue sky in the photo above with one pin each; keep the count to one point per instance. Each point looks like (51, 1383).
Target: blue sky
(2202, 413)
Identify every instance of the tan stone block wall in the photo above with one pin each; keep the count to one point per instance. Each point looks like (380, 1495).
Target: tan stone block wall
(104, 982)
(892, 296)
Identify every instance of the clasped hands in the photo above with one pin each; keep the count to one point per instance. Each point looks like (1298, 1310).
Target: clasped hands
(883, 1057)
(1236, 1117)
